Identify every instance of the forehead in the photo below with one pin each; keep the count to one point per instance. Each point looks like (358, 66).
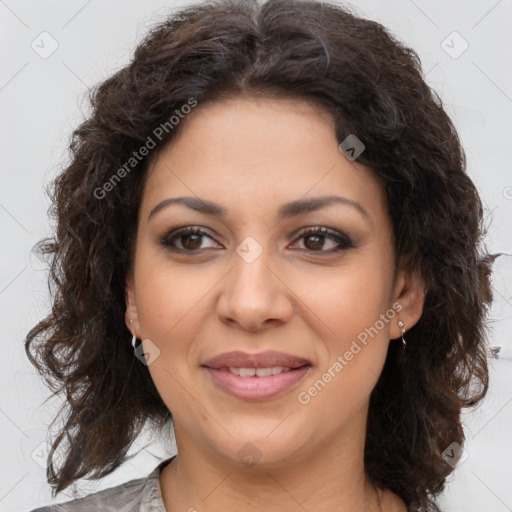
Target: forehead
(259, 152)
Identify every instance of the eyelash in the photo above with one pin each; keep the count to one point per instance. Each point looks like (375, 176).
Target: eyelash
(343, 240)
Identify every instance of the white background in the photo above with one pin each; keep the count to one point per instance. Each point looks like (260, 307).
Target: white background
(42, 100)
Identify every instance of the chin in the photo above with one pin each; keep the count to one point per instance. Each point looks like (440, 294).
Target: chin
(261, 451)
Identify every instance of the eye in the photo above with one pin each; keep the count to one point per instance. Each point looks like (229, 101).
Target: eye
(314, 240)
(190, 239)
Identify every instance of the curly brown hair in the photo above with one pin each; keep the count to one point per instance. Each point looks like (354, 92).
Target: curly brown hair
(373, 86)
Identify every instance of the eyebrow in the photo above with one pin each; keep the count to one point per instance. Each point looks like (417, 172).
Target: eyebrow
(298, 207)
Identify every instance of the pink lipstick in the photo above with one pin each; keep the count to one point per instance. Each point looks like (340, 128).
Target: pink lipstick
(256, 376)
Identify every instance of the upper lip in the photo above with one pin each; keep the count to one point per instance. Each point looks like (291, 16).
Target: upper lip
(239, 359)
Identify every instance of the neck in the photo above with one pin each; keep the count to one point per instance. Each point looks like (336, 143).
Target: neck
(330, 477)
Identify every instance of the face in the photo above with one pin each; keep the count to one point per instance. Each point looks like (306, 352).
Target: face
(314, 281)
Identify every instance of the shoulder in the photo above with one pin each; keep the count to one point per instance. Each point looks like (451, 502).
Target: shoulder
(138, 495)
(123, 497)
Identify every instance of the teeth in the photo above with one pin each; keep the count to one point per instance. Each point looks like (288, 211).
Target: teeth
(247, 372)
(263, 372)
(260, 372)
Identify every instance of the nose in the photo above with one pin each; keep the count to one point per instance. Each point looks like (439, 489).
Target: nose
(254, 297)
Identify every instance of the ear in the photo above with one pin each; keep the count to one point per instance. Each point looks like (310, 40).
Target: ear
(131, 316)
(409, 292)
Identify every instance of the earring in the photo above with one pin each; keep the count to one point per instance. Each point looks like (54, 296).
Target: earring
(401, 325)
(134, 338)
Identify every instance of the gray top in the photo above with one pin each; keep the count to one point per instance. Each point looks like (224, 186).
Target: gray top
(140, 495)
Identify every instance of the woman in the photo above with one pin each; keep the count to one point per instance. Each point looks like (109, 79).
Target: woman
(267, 230)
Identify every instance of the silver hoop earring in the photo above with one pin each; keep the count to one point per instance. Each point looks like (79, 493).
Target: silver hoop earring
(401, 325)
(134, 338)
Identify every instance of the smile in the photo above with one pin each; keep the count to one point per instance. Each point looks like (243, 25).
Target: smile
(257, 383)
(258, 372)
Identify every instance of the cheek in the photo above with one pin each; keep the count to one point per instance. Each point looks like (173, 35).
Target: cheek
(347, 299)
(168, 298)
(350, 303)
(169, 302)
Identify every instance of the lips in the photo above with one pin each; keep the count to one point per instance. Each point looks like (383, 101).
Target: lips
(238, 359)
(260, 376)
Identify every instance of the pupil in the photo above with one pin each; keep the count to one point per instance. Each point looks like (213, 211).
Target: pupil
(318, 244)
(191, 246)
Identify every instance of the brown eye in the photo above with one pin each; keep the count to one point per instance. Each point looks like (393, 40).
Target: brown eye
(315, 239)
(185, 240)
(192, 241)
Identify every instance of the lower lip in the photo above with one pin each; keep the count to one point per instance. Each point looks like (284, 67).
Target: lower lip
(257, 388)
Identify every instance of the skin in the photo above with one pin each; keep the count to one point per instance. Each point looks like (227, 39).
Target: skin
(296, 297)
